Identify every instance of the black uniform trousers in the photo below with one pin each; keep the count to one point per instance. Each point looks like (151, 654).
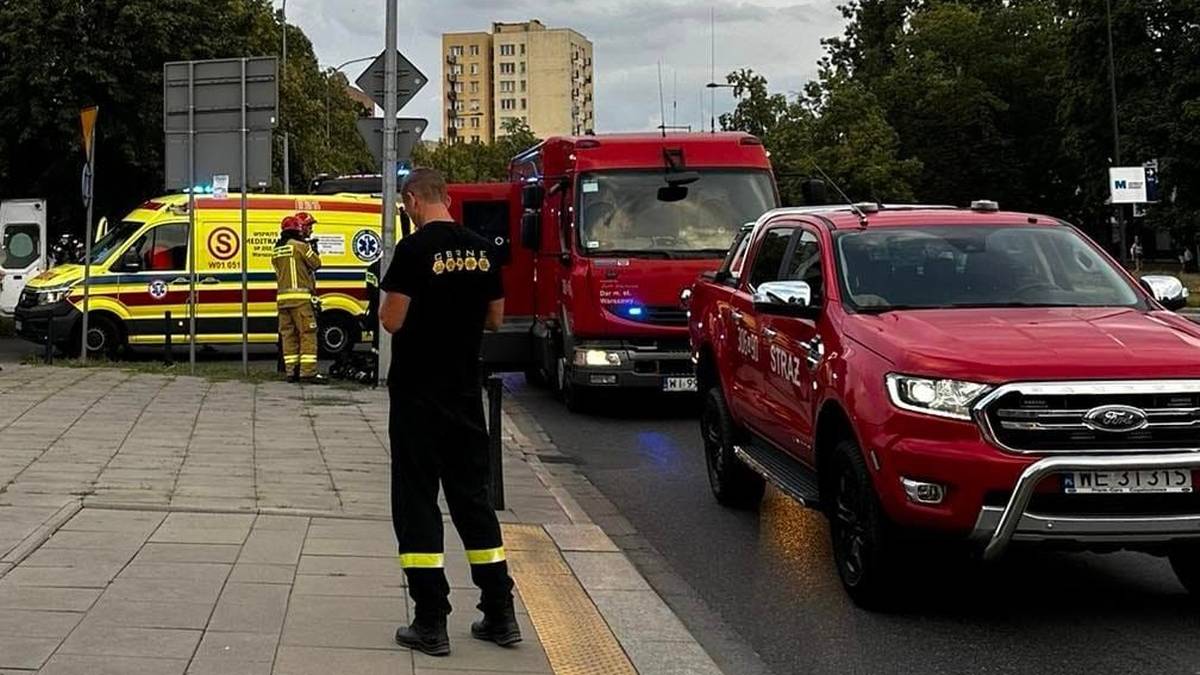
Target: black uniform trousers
(442, 438)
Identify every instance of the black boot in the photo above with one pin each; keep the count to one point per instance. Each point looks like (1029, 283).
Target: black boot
(314, 379)
(427, 635)
(499, 626)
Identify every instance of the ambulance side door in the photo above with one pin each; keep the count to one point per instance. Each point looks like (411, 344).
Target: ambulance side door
(154, 281)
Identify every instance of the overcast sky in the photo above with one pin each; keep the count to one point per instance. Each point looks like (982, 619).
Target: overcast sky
(779, 38)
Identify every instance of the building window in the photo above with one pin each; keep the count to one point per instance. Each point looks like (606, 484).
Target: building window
(474, 68)
(456, 50)
(522, 67)
(522, 49)
(508, 50)
(522, 86)
(506, 86)
(474, 50)
(522, 104)
(458, 106)
(458, 123)
(474, 122)
(475, 139)
(506, 69)
(508, 104)
(456, 70)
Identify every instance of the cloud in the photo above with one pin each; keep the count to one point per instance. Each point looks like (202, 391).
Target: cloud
(778, 38)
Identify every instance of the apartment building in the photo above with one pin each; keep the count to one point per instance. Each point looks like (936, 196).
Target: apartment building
(524, 71)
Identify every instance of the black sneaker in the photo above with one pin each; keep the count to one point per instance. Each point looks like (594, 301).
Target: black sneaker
(428, 637)
(315, 379)
(500, 627)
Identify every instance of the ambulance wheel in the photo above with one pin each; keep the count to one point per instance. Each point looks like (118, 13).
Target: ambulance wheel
(337, 335)
(104, 337)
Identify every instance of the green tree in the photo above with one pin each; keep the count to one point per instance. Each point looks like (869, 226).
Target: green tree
(111, 53)
(477, 162)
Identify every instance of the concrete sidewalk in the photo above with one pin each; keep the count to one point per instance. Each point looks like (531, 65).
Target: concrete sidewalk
(154, 524)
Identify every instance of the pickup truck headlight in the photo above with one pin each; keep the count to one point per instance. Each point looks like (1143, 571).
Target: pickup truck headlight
(49, 296)
(943, 398)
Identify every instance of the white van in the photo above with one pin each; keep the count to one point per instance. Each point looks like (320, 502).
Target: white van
(23, 244)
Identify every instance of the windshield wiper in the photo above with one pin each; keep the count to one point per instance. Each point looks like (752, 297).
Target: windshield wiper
(966, 305)
(633, 253)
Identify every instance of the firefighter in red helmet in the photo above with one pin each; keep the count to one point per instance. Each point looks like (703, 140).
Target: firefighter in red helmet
(296, 262)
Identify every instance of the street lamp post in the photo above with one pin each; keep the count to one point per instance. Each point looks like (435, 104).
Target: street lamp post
(1116, 126)
(338, 69)
(714, 86)
(287, 176)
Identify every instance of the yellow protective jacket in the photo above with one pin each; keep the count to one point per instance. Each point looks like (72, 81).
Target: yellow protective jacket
(296, 264)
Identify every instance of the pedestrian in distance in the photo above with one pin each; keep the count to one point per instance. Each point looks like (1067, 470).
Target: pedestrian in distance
(296, 263)
(1135, 252)
(441, 292)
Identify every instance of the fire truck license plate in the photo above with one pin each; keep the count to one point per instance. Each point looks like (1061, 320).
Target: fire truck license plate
(1127, 482)
(679, 384)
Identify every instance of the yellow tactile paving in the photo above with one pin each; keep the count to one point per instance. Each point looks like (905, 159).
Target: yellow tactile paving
(574, 635)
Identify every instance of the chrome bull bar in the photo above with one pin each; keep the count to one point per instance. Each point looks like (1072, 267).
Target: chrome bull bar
(998, 527)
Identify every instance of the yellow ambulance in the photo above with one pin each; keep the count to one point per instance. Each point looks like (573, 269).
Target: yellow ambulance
(140, 272)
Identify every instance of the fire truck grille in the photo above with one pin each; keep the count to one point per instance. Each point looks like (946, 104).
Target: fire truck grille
(1090, 417)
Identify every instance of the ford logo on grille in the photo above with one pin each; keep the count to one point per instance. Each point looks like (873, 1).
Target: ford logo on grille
(1115, 418)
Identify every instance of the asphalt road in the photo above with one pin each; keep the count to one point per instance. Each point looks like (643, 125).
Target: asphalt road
(770, 577)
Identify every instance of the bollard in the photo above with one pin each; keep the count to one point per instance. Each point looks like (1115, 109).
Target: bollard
(50, 341)
(168, 357)
(496, 489)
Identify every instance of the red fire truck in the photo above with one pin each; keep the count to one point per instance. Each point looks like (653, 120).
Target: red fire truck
(612, 229)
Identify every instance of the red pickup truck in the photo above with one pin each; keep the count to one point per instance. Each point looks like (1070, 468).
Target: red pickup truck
(983, 377)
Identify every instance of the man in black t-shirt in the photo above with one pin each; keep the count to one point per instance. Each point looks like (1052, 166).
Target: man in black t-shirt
(440, 293)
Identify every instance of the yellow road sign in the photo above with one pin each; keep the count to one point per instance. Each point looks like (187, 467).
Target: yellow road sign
(87, 118)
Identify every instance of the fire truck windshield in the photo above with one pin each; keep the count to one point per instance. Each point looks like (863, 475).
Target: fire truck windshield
(639, 213)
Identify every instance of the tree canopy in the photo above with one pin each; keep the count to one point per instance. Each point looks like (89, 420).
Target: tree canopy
(953, 100)
(62, 55)
(477, 162)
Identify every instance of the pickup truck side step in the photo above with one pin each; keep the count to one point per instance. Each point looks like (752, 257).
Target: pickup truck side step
(789, 475)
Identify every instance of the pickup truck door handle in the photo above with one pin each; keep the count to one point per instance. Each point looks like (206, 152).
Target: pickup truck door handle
(180, 281)
(769, 333)
(208, 281)
(736, 315)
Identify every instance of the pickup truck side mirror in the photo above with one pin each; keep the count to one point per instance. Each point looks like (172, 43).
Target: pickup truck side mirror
(1168, 290)
(785, 298)
(131, 261)
(531, 230)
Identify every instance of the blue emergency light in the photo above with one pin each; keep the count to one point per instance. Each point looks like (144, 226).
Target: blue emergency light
(635, 311)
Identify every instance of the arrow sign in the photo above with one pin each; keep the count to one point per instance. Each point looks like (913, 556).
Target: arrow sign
(85, 185)
(408, 133)
(409, 80)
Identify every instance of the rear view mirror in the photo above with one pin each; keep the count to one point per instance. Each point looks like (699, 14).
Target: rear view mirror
(531, 230)
(1168, 290)
(813, 192)
(672, 193)
(787, 298)
(532, 196)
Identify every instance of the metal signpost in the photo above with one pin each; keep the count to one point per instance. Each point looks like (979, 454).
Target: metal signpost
(87, 118)
(232, 105)
(391, 81)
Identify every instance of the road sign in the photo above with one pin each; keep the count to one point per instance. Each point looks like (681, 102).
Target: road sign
(87, 120)
(214, 89)
(409, 80)
(408, 134)
(1127, 184)
(1151, 180)
(85, 185)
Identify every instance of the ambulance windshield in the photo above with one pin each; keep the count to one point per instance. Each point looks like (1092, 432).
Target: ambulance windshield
(639, 213)
(110, 242)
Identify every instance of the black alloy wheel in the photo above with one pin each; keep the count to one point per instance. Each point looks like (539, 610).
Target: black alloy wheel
(733, 483)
